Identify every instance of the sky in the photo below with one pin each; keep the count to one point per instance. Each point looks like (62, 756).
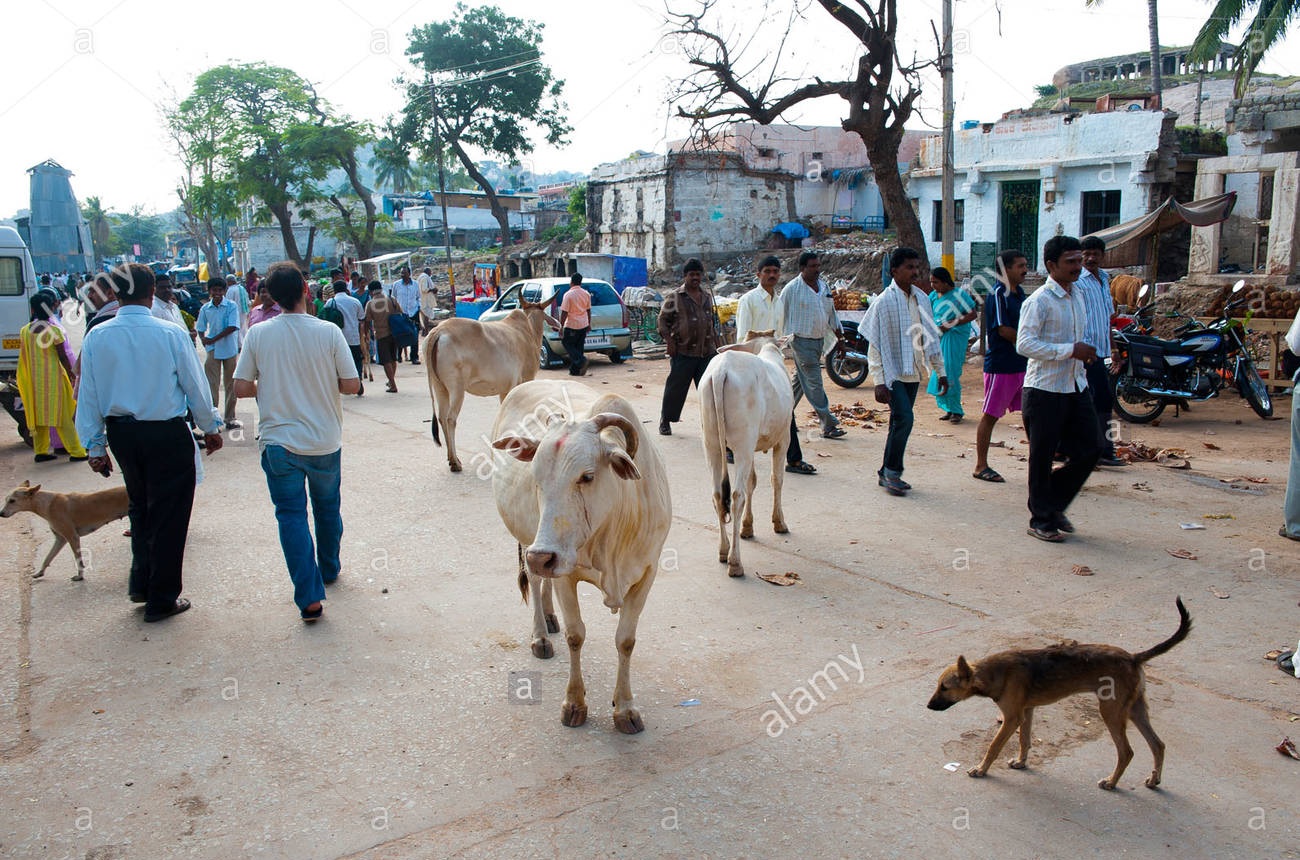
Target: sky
(83, 79)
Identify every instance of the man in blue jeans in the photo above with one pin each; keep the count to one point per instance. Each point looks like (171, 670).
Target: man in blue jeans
(297, 366)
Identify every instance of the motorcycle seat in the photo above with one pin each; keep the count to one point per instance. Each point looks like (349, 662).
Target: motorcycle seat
(1170, 346)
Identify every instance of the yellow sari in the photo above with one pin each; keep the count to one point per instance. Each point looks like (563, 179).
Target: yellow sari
(45, 387)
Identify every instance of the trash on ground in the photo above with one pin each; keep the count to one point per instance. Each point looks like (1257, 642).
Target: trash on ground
(1143, 486)
(787, 578)
(1211, 446)
(1081, 570)
(1287, 747)
(952, 766)
(1181, 553)
(1243, 478)
(688, 703)
(1190, 527)
(1222, 595)
(1220, 517)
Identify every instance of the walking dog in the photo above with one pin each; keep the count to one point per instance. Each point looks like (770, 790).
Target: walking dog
(1021, 680)
(70, 516)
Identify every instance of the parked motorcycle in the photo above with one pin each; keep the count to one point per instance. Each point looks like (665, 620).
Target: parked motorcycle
(846, 363)
(12, 403)
(1153, 373)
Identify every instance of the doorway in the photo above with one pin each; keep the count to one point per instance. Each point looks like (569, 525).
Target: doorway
(1019, 221)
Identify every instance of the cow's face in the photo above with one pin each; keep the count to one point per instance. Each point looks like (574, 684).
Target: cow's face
(577, 471)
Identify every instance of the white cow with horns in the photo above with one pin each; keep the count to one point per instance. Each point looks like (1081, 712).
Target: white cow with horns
(745, 403)
(586, 494)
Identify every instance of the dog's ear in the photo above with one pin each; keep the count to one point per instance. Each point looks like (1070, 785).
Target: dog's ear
(31, 491)
(964, 672)
(25, 484)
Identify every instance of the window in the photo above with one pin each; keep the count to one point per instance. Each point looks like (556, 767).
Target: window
(1100, 210)
(959, 221)
(764, 152)
(11, 276)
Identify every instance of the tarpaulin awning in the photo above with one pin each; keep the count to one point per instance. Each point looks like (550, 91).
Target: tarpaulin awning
(1126, 243)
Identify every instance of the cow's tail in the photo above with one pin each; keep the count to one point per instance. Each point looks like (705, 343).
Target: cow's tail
(718, 401)
(523, 575)
(431, 348)
(1184, 627)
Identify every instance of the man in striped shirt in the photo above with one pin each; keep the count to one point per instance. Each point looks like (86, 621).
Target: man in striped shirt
(1057, 407)
(1093, 287)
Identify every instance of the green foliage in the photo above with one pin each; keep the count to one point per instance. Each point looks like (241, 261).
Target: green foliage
(1045, 90)
(1268, 27)
(136, 228)
(392, 163)
(578, 201)
(1201, 141)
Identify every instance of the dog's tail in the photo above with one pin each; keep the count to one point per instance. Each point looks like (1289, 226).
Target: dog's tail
(1184, 627)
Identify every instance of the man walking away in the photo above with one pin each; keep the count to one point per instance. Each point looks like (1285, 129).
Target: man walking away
(378, 309)
(1057, 407)
(1004, 368)
(905, 347)
(807, 314)
(759, 315)
(346, 312)
(686, 326)
(139, 374)
(575, 322)
(1093, 287)
(297, 366)
(218, 328)
(407, 294)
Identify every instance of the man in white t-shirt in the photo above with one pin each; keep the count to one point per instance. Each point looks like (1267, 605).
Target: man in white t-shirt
(297, 366)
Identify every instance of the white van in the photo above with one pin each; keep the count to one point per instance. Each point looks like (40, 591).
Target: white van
(17, 285)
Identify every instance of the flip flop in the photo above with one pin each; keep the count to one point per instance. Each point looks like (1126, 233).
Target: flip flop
(801, 468)
(1049, 535)
(989, 475)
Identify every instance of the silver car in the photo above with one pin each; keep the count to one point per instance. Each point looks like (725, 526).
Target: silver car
(609, 333)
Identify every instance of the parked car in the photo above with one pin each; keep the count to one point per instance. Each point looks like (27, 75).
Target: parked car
(609, 335)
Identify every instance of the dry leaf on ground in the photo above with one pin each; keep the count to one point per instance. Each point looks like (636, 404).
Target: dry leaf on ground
(1181, 553)
(1211, 446)
(1287, 747)
(1219, 517)
(1222, 595)
(1081, 570)
(787, 578)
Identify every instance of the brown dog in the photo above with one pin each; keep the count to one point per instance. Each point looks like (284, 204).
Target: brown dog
(1019, 681)
(70, 516)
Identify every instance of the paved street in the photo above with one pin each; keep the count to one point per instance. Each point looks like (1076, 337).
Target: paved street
(389, 729)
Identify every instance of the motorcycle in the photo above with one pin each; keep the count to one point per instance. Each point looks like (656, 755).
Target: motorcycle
(1152, 373)
(846, 363)
(12, 402)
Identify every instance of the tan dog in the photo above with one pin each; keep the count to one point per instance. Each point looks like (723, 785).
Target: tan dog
(70, 516)
(1019, 681)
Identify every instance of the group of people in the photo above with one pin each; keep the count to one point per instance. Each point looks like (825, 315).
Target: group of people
(1045, 357)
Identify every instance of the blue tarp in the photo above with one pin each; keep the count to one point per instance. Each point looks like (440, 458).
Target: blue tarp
(792, 230)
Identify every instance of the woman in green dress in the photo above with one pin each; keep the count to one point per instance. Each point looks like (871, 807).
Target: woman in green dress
(954, 309)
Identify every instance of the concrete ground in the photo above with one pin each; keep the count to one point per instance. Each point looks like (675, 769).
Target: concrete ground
(393, 729)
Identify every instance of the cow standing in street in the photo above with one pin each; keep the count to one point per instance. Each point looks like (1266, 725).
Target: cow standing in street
(586, 494)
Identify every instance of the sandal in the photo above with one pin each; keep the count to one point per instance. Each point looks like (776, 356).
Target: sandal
(312, 615)
(1049, 535)
(947, 416)
(801, 468)
(954, 417)
(989, 475)
(1282, 532)
(391, 389)
(834, 433)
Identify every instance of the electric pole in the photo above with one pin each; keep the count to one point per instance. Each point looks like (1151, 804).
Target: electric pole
(948, 253)
(442, 194)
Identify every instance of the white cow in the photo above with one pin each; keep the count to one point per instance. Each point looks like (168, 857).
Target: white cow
(482, 358)
(587, 495)
(745, 404)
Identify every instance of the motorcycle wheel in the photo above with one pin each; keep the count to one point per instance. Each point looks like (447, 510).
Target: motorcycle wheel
(843, 371)
(1135, 405)
(1252, 388)
(8, 402)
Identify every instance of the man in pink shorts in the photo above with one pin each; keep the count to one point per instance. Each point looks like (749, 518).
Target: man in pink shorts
(1004, 368)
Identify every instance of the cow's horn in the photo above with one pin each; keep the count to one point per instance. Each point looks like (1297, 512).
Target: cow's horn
(613, 419)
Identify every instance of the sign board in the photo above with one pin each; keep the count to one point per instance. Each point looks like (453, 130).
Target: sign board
(983, 259)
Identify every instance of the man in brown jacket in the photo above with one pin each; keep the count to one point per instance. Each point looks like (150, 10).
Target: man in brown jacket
(686, 325)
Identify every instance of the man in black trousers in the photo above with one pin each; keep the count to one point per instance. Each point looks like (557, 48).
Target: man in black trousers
(139, 374)
(686, 325)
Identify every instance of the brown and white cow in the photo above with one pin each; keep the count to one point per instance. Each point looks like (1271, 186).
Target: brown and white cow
(466, 356)
(745, 404)
(585, 492)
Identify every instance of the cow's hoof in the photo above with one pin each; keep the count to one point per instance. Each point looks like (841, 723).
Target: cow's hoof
(1106, 785)
(573, 715)
(552, 623)
(629, 722)
(78, 578)
(542, 649)
(722, 558)
(747, 532)
(780, 528)
(455, 467)
(735, 571)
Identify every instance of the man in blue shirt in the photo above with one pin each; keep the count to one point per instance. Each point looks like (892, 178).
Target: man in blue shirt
(1094, 288)
(217, 325)
(1004, 368)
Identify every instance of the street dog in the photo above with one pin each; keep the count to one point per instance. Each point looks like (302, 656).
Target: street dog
(1021, 680)
(69, 515)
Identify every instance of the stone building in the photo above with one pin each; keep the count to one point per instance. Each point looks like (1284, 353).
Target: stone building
(1173, 61)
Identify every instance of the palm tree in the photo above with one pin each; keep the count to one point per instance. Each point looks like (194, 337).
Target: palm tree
(392, 164)
(97, 220)
(1266, 29)
(1153, 30)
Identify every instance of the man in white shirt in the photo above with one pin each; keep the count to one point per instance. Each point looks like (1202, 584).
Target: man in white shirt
(138, 376)
(353, 316)
(807, 314)
(164, 305)
(407, 293)
(759, 313)
(905, 347)
(1291, 503)
(297, 366)
(428, 299)
(1056, 405)
(218, 328)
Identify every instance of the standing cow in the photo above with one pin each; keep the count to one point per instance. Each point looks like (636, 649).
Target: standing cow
(482, 358)
(745, 404)
(583, 490)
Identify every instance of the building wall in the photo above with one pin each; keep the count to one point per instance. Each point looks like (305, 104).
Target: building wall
(1125, 151)
(266, 246)
(719, 208)
(627, 209)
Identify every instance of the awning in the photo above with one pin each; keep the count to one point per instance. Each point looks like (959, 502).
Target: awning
(1127, 244)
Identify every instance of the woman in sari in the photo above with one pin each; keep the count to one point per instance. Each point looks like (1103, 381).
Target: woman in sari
(954, 310)
(45, 382)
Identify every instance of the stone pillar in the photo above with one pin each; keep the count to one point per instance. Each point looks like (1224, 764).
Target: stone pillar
(1282, 235)
(1203, 257)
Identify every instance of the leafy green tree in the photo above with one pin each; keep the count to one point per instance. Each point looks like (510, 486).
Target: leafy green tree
(391, 162)
(1267, 28)
(100, 228)
(136, 228)
(485, 88)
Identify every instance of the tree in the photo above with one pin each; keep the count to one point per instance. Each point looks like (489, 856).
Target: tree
(391, 162)
(1157, 85)
(101, 231)
(205, 198)
(485, 88)
(1267, 27)
(881, 95)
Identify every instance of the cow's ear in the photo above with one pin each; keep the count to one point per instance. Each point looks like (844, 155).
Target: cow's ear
(623, 465)
(519, 447)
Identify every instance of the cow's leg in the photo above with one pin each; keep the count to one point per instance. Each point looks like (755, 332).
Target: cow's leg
(448, 416)
(739, 512)
(626, 717)
(548, 601)
(750, 480)
(574, 711)
(778, 481)
(539, 593)
(721, 489)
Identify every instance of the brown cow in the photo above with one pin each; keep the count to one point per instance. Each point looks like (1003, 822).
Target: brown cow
(1124, 290)
(482, 358)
